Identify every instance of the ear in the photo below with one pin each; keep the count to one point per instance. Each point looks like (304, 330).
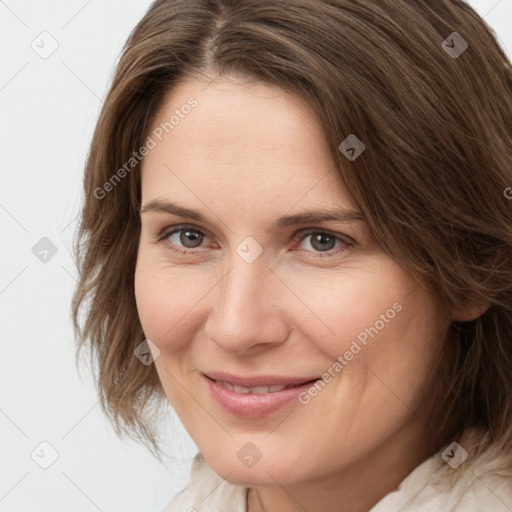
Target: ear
(470, 311)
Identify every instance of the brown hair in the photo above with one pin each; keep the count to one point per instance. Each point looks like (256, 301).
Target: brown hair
(438, 134)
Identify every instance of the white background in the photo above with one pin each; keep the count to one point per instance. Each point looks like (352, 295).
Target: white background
(48, 111)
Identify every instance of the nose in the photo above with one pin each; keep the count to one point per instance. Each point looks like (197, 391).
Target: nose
(246, 307)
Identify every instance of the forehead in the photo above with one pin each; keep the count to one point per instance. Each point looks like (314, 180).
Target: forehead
(247, 143)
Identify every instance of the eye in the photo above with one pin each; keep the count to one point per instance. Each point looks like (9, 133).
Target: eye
(318, 242)
(183, 238)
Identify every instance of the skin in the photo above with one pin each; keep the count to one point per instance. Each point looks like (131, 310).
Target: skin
(246, 155)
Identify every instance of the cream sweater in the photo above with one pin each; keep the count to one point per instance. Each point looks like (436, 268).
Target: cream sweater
(482, 483)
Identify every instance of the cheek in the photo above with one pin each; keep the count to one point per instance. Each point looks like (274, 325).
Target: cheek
(165, 299)
(379, 320)
(352, 304)
(398, 355)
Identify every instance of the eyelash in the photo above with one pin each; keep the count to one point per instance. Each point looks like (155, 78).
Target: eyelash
(346, 241)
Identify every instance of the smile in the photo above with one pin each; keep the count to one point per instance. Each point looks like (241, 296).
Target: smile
(256, 389)
(257, 400)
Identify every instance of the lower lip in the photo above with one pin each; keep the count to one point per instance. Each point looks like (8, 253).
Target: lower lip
(254, 405)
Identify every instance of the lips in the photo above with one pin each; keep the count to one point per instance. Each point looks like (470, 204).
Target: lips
(255, 397)
(262, 381)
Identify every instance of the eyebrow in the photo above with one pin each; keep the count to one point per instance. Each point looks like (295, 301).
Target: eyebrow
(306, 217)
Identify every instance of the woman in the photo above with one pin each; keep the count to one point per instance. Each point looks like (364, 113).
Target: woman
(296, 231)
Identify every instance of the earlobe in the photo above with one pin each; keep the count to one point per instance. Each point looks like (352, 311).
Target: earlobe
(470, 312)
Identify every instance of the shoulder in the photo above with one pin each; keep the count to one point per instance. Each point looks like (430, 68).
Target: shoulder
(207, 492)
(480, 480)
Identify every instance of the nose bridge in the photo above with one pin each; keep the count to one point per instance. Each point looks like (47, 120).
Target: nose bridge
(242, 312)
(240, 299)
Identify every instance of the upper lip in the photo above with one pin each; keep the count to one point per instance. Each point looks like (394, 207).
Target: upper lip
(258, 380)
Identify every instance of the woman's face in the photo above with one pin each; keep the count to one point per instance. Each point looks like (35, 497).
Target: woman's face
(252, 291)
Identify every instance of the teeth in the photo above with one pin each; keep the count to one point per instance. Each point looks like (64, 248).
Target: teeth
(255, 389)
(226, 385)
